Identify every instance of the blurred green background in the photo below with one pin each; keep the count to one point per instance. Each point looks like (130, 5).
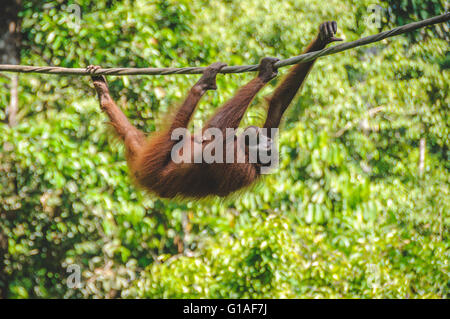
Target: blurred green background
(359, 207)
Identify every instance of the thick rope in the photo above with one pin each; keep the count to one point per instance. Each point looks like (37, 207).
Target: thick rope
(230, 69)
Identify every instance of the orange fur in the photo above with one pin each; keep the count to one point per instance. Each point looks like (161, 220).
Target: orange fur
(150, 160)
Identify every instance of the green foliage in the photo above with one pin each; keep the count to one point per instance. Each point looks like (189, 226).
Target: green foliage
(347, 214)
(406, 11)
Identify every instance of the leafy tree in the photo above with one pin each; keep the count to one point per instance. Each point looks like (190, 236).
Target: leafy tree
(358, 207)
